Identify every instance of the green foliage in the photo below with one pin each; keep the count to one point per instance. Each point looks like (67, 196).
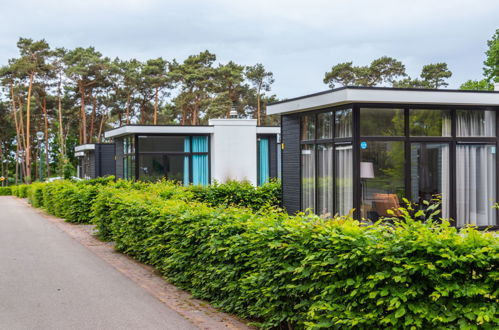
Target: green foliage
(384, 69)
(5, 191)
(491, 69)
(477, 85)
(241, 194)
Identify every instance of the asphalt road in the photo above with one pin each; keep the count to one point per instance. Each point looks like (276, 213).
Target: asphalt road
(50, 281)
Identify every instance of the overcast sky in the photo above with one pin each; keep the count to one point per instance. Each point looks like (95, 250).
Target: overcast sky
(297, 40)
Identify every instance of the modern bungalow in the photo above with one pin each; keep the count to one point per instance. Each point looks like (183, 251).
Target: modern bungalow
(225, 149)
(364, 149)
(95, 160)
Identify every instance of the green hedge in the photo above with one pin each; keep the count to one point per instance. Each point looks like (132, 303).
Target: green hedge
(5, 191)
(293, 271)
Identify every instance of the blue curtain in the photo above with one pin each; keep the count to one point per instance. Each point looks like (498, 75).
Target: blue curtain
(263, 164)
(187, 148)
(200, 171)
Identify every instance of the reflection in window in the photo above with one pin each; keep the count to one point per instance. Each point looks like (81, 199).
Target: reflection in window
(430, 174)
(382, 178)
(343, 123)
(307, 127)
(325, 125)
(308, 177)
(325, 179)
(156, 167)
(381, 122)
(344, 179)
(476, 184)
(161, 143)
(430, 122)
(475, 123)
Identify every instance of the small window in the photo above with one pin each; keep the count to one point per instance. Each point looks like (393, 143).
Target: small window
(478, 123)
(343, 123)
(429, 122)
(307, 127)
(381, 122)
(325, 125)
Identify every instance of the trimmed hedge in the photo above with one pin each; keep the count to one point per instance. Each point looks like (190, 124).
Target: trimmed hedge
(5, 191)
(294, 271)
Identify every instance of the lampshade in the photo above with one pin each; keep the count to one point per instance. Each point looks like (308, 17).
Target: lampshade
(366, 170)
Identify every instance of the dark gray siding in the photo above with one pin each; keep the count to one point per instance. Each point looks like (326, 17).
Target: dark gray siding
(290, 134)
(118, 142)
(104, 160)
(89, 169)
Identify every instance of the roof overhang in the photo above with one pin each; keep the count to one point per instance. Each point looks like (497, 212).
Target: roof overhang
(84, 147)
(268, 130)
(138, 129)
(347, 95)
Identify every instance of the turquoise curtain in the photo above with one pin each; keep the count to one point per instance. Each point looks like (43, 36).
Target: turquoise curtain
(187, 148)
(200, 170)
(263, 164)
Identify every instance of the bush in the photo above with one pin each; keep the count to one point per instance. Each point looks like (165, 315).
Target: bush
(5, 191)
(241, 194)
(310, 272)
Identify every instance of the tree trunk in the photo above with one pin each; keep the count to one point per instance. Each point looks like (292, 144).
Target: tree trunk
(92, 120)
(156, 106)
(128, 101)
(28, 123)
(18, 135)
(46, 136)
(59, 110)
(258, 114)
(83, 114)
(101, 127)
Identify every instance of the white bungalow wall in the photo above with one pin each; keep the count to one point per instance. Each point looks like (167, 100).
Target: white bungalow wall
(233, 150)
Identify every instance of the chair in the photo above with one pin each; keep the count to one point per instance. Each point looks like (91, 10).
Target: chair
(384, 202)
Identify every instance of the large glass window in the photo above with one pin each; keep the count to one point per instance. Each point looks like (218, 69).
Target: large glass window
(475, 123)
(430, 174)
(344, 178)
(381, 122)
(382, 178)
(476, 184)
(325, 179)
(308, 177)
(179, 158)
(423, 122)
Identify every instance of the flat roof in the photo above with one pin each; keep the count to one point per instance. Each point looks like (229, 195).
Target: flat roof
(157, 129)
(178, 129)
(84, 147)
(355, 94)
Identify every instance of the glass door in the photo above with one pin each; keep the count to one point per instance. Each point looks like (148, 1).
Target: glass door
(430, 174)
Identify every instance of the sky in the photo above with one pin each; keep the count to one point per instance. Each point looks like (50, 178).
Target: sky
(297, 40)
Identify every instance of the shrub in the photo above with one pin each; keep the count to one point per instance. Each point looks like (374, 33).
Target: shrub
(5, 191)
(241, 194)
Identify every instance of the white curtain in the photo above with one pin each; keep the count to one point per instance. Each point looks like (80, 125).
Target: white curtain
(475, 123)
(444, 167)
(308, 177)
(325, 179)
(344, 179)
(476, 184)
